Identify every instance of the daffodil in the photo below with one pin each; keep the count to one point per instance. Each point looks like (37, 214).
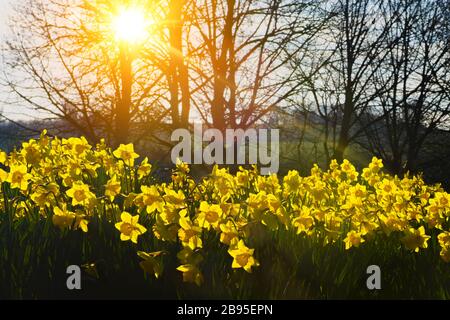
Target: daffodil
(353, 239)
(304, 221)
(151, 199)
(126, 153)
(31, 151)
(189, 256)
(349, 170)
(445, 253)
(77, 145)
(415, 239)
(209, 215)
(229, 232)
(175, 198)
(328, 206)
(444, 239)
(182, 167)
(18, 177)
(129, 227)
(152, 263)
(80, 194)
(191, 273)
(112, 188)
(169, 214)
(387, 187)
(144, 169)
(243, 257)
(269, 184)
(375, 165)
(442, 199)
(63, 218)
(165, 232)
(3, 175)
(3, 157)
(257, 204)
(45, 195)
(292, 182)
(229, 208)
(189, 234)
(242, 178)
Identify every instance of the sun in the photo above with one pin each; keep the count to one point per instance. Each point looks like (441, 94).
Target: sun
(130, 25)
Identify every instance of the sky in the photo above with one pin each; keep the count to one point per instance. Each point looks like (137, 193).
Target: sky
(5, 11)
(5, 7)
(12, 112)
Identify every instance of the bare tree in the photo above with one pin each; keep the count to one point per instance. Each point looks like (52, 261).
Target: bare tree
(416, 103)
(245, 51)
(359, 35)
(63, 60)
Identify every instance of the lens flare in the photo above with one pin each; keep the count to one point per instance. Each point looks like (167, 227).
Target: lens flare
(130, 25)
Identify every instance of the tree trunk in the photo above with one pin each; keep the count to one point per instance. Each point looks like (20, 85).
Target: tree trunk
(221, 70)
(124, 104)
(178, 76)
(344, 134)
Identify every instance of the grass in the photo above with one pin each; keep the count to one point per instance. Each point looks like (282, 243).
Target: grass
(35, 255)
